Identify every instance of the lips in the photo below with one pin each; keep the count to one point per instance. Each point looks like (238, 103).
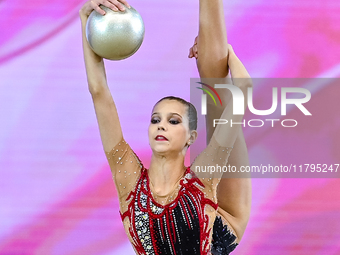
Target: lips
(161, 138)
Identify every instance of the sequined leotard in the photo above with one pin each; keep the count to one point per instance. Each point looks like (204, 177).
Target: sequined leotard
(185, 223)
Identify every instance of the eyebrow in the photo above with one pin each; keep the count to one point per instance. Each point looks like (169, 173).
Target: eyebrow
(171, 113)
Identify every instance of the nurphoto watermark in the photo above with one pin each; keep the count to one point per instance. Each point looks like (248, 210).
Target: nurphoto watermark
(283, 126)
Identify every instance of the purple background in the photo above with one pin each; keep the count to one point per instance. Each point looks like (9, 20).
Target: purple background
(56, 191)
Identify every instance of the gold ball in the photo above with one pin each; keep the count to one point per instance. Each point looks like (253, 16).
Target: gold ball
(116, 35)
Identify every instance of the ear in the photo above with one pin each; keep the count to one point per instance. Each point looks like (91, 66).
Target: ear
(193, 137)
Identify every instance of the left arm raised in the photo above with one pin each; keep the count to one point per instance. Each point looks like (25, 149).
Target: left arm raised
(211, 51)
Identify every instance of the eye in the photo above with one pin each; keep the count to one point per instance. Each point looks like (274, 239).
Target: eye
(174, 121)
(154, 120)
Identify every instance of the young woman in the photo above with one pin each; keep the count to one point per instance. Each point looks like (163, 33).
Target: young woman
(167, 209)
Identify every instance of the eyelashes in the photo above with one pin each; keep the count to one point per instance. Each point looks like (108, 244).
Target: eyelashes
(171, 121)
(174, 122)
(154, 121)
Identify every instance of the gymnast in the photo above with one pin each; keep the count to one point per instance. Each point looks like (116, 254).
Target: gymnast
(168, 209)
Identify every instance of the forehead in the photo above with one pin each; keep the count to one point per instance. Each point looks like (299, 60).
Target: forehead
(170, 106)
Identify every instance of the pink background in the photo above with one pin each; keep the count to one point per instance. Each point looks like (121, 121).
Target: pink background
(56, 192)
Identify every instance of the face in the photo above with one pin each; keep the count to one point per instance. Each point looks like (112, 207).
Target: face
(169, 127)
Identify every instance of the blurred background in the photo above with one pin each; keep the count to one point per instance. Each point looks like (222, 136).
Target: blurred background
(56, 191)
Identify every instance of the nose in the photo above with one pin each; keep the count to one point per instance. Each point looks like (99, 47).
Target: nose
(161, 126)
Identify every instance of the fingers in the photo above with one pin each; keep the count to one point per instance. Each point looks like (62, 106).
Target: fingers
(125, 3)
(115, 5)
(111, 6)
(119, 4)
(191, 54)
(193, 51)
(96, 7)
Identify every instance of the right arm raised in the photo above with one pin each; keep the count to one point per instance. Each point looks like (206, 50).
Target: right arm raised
(105, 108)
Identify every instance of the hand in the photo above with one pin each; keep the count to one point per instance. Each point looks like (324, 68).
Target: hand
(115, 5)
(193, 51)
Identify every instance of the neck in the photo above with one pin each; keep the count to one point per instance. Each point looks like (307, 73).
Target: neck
(165, 171)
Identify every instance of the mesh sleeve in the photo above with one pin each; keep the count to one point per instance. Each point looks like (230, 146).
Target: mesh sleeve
(209, 166)
(125, 168)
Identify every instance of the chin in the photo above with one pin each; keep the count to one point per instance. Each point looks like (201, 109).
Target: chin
(161, 147)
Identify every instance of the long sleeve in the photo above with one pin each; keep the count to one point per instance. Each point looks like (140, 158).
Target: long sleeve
(125, 168)
(209, 166)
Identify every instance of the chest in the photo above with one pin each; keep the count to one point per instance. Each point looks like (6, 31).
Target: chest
(180, 227)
